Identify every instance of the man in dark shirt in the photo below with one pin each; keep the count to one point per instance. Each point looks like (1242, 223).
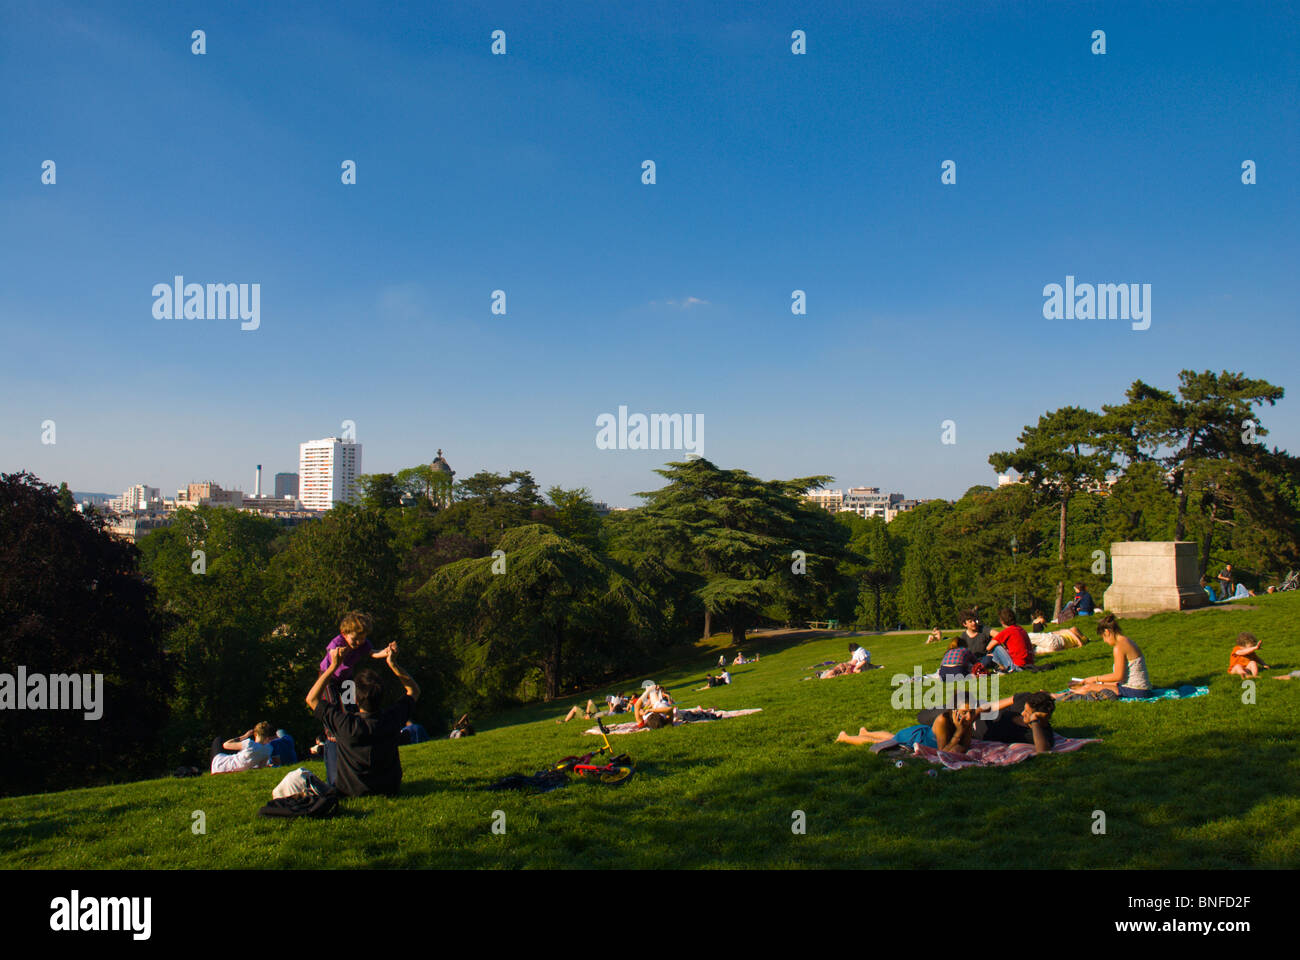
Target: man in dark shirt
(1022, 718)
(1225, 582)
(367, 739)
(977, 635)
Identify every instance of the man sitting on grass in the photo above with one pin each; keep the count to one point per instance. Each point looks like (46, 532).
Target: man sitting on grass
(722, 679)
(1013, 643)
(367, 740)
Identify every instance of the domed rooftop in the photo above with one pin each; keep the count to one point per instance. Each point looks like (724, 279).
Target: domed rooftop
(441, 465)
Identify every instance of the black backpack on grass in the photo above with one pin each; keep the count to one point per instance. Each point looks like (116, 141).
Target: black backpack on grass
(302, 805)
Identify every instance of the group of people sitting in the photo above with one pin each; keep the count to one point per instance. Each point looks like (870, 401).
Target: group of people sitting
(978, 650)
(1024, 717)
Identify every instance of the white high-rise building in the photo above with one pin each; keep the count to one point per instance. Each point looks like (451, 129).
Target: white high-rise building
(140, 497)
(327, 472)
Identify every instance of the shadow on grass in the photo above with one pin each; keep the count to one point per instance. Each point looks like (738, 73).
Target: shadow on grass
(29, 830)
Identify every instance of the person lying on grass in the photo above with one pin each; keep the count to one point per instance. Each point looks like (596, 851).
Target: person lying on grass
(1022, 718)
(252, 749)
(654, 708)
(1244, 661)
(1050, 641)
(461, 728)
(1128, 677)
(589, 714)
(845, 668)
(366, 740)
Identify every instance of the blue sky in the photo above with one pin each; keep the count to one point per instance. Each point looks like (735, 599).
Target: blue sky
(522, 172)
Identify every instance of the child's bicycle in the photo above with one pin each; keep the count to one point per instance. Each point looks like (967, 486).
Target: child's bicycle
(616, 770)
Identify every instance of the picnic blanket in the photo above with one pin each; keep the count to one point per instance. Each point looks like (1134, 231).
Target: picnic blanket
(987, 753)
(1185, 692)
(684, 715)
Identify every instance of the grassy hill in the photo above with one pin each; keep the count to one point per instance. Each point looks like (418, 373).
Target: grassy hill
(1203, 783)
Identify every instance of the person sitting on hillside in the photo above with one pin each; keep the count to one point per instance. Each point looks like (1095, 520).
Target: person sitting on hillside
(366, 740)
(353, 646)
(1022, 718)
(1244, 660)
(1209, 590)
(847, 667)
(461, 728)
(722, 661)
(283, 749)
(720, 680)
(977, 635)
(1128, 678)
(740, 660)
(858, 654)
(619, 702)
(412, 733)
(935, 636)
(957, 662)
(252, 749)
(1050, 641)
(654, 708)
(1081, 606)
(590, 713)
(1013, 641)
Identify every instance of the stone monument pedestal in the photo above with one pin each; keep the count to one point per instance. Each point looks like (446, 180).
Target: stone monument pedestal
(1149, 576)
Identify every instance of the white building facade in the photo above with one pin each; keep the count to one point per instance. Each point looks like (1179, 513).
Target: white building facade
(139, 497)
(327, 472)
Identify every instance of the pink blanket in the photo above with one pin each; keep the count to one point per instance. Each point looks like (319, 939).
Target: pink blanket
(986, 753)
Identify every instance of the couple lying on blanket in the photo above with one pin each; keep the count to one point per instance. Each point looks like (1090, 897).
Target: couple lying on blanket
(1023, 718)
(859, 660)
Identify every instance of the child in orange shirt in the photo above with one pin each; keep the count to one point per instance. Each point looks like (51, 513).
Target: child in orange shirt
(1244, 661)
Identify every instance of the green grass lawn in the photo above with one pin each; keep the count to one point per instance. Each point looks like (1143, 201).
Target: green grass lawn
(1203, 783)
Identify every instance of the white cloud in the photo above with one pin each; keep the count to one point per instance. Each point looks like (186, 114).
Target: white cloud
(684, 304)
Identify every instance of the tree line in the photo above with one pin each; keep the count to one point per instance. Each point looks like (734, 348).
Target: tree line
(499, 593)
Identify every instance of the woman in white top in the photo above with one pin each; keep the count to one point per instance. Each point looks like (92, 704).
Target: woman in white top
(1128, 677)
